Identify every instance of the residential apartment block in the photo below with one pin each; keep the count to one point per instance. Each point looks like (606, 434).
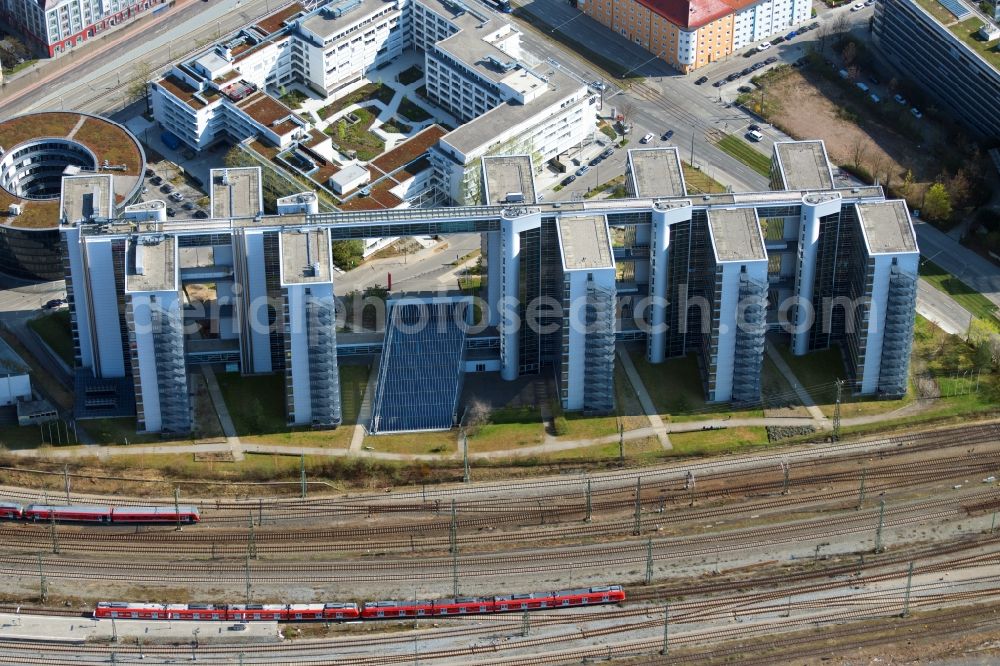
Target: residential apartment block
(473, 64)
(56, 26)
(932, 49)
(688, 34)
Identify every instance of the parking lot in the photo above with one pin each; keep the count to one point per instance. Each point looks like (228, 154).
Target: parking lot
(166, 181)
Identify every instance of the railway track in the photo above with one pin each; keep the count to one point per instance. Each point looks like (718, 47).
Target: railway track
(378, 569)
(469, 531)
(495, 498)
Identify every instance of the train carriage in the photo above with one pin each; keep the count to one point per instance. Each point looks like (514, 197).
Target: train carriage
(195, 612)
(522, 602)
(341, 611)
(256, 612)
(155, 514)
(375, 610)
(11, 511)
(463, 606)
(130, 611)
(68, 513)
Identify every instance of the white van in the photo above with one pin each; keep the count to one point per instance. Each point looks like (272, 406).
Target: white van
(646, 139)
(754, 135)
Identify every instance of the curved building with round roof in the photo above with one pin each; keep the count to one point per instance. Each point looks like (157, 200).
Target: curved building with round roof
(36, 150)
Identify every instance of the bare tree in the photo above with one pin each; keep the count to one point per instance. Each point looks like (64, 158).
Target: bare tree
(823, 34)
(850, 53)
(860, 149)
(138, 87)
(841, 25)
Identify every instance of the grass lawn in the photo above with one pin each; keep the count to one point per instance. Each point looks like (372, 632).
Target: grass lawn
(699, 182)
(964, 295)
(353, 380)
(357, 136)
(118, 431)
(676, 390)
(54, 329)
(372, 91)
(257, 407)
(745, 153)
(709, 442)
(17, 437)
(396, 127)
(444, 443)
(412, 111)
(579, 426)
(608, 131)
(509, 428)
(410, 75)
(645, 448)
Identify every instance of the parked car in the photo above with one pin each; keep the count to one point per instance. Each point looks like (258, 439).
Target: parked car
(754, 127)
(758, 65)
(176, 196)
(171, 212)
(150, 173)
(156, 180)
(608, 152)
(751, 53)
(899, 99)
(745, 89)
(188, 206)
(568, 179)
(747, 71)
(862, 86)
(599, 85)
(814, 25)
(763, 46)
(916, 113)
(167, 188)
(791, 35)
(718, 84)
(858, 6)
(778, 40)
(875, 98)
(597, 160)
(647, 138)
(733, 76)
(771, 60)
(54, 303)
(667, 135)
(754, 135)
(869, 3)
(200, 214)
(701, 80)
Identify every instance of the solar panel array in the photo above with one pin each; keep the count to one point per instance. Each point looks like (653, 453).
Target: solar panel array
(957, 8)
(420, 377)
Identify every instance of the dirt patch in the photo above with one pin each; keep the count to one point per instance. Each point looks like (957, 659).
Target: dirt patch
(813, 108)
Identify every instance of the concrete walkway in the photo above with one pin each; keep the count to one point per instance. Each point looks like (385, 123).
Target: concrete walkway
(225, 420)
(647, 403)
(817, 414)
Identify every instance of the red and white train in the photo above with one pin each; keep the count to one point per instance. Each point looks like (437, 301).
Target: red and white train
(370, 610)
(99, 514)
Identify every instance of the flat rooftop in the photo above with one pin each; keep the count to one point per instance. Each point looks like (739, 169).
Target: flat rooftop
(86, 197)
(485, 128)
(305, 256)
(507, 174)
(804, 165)
(887, 227)
(585, 243)
(236, 192)
(656, 172)
(736, 234)
(324, 23)
(150, 263)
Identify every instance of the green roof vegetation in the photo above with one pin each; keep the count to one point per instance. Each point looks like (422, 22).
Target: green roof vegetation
(968, 31)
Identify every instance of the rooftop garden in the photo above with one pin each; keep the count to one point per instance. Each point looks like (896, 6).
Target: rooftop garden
(410, 75)
(412, 112)
(19, 129)
(357, 136)
(378, 92)
(968, 32)
(109, 143)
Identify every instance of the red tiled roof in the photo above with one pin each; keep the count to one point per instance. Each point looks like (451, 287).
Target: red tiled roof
(693, 14)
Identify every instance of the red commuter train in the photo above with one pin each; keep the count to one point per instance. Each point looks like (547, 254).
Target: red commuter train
(71, 513)
(371, 610)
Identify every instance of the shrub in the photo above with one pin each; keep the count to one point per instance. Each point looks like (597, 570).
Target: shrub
(560, 426)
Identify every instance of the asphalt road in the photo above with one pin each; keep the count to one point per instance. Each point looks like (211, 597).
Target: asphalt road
(958, 260)
(940, 308)
(97, 81)
(430, 270)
